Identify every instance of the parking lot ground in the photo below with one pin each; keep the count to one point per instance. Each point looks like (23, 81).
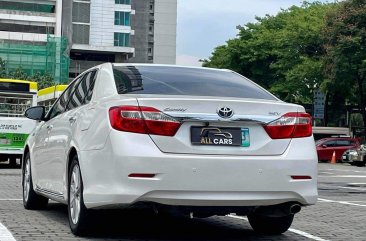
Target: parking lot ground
(340, 214)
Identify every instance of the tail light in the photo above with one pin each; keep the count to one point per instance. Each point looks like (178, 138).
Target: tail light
(290, 125)
(144, 120)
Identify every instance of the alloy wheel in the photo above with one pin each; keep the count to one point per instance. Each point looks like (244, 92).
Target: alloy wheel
(26, 184)
(75, 192)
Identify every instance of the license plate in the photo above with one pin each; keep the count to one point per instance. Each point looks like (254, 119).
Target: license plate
(5, 141)
(218, 136)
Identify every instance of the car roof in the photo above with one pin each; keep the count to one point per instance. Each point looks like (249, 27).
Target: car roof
(169, 66)
(338, 138)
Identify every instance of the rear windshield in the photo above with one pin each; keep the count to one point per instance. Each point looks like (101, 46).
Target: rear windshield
(185, 81)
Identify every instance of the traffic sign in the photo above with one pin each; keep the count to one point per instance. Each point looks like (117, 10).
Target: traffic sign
(319, 104)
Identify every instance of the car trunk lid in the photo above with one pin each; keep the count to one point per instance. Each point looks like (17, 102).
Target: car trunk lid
(204, 131)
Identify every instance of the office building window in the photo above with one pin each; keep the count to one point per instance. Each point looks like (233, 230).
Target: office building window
(151, 28)
(128, 2)
(80, 33)
(121, 39)
(81, 12)
(122, 18)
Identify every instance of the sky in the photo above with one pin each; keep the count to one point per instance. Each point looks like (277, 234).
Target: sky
(206, 24)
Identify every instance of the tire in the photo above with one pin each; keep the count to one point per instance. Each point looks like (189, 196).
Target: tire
(78, 213)
(270, 225)
(362, 164)
(31, 200)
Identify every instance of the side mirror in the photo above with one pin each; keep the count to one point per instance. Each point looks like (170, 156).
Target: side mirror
(324, 146)
(36, 113)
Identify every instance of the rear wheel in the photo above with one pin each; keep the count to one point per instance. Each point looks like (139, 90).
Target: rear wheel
(78, 213)
(362, 164)
(270, 225)
(31, 200)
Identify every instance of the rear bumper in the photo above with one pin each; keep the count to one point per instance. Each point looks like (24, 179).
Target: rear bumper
(346, 159)
(359, 160)
(195, 180)
(11, 151)
(352, 158)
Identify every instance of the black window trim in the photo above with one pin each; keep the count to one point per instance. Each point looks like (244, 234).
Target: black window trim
(77, 86)
(79, 77)
(91, 84)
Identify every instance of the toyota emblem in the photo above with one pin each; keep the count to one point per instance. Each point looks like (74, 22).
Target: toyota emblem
(225, 112)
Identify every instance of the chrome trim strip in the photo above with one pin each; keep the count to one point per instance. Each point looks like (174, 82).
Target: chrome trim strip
(199, 117)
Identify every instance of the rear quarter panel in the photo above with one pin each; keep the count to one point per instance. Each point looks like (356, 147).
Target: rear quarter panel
(93, 135)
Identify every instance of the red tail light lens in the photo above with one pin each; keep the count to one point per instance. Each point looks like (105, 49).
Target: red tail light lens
(144, 120)
(290, 125)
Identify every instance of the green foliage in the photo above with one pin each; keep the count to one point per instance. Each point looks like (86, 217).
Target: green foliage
(43, 80)
(283, 53)
(345, 62)
(2, 68)
(18, 74)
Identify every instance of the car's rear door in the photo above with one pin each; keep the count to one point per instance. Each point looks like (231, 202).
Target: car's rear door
(59, 137)
(69, 127)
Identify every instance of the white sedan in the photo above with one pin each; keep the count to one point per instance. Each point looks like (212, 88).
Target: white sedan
(198, 141)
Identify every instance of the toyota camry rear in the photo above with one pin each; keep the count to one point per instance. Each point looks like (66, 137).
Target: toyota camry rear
(194, 141)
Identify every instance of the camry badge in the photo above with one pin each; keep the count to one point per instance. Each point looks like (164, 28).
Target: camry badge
(225, 112)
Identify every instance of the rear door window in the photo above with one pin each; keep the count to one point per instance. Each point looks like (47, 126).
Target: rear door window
(330, 143)
(90, 83)
(343, 143)
(64, 99)
(81, 90)
(169, 80)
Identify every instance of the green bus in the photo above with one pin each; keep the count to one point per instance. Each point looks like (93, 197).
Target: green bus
(15, 97)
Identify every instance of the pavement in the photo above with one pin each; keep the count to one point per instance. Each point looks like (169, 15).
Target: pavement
(340, 214)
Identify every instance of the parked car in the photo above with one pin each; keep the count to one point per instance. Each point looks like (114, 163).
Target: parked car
(356, 157)
(327, 146)
(198, 141)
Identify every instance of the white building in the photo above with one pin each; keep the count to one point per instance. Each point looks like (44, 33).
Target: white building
(29, 20)
(141, 31)
(165, 32)
(97, 31)
(30, 37)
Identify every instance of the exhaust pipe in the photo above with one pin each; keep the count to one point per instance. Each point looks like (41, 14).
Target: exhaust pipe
(295, 208)
(280, 210)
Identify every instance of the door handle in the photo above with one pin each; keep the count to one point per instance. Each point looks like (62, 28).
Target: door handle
(49, 127)
(72, 119)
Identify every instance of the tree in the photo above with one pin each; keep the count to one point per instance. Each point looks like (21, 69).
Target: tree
(18, 74)
(345, 62)
(283, 53)
(44, 80)
(2, 68)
